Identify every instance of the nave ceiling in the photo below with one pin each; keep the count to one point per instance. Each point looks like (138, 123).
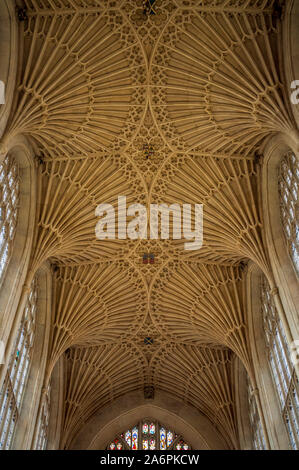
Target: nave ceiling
(168, 107)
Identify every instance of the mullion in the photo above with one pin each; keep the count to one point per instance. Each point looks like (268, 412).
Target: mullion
(7, 393)
(289, 425)
(257, 434)
(284, 347)
(289, 170)
(281, 369)
(16, 359)
(9, 411)
(27, 347)
(273, 348)
(39, 430)
(8, 171)
(291, 409)
(9, 431)
(21, 372)
(5, 241)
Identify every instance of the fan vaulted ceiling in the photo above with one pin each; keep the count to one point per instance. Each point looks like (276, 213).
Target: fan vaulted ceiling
(198, 82)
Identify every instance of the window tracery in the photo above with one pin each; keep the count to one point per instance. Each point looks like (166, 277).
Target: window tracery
(258, 440)
(17, 373)
(289, 203)
(283, 372)
(148, 434)
(42, 428)
(9, 198)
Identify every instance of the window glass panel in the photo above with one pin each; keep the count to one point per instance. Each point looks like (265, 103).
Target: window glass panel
(258, 441)
(128, 438)
(42, 428)
(145, 444)
(152, 428)
(12, 391)
(283, 372)
(181, 445)
(169, 438)
(145, 428)
(135, 438)
(9, 199)
(162, 439)
(289, 194)
(152, 444)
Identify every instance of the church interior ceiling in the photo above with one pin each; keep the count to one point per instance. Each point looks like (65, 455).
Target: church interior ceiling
(166, 101)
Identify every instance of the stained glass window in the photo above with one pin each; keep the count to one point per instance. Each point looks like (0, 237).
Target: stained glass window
(289, 203)
(128, 438)
(181, 445)
(116, 445)
(9, 200)
(135, 438)
(148, 434)
(12, 391)
(283, 372)
(162, 439)
(152, 428)
(169, 438)
(145, 444)
(145, 428)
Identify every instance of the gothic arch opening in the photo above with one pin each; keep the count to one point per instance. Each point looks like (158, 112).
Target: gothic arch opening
(130, 409)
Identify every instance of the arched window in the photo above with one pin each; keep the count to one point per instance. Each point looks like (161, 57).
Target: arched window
(9, 199)
(283, 372)
(12, 391)
(289, 200)
(257, 435)
(42, 428)
(148, 434)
